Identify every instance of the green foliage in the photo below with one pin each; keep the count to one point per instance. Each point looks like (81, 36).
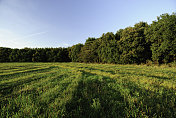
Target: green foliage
(133, 46)
(34, 55)
(14, 57)
(74, 52)
(108, 49)
(87, 53)
(118, 34)
(4, 54)
(161, 35)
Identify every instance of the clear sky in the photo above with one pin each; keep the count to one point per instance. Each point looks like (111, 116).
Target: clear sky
(63, 23)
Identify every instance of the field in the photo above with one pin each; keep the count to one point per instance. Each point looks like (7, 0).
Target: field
(86, 90)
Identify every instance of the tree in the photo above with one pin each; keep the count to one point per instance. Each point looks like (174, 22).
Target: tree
(4, 54)
(133, 45)
(74, 52)
(64, 54)
(36, 57)
(118, 34)
(86, 54)
(162, 36)
(14, 57)
(108, 49)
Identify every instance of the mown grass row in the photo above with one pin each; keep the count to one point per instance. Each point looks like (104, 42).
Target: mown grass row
(12, 67)
(145, 96)
(31, 95)
(87, 90)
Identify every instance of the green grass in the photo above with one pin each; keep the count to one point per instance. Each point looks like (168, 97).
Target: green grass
(86, 90)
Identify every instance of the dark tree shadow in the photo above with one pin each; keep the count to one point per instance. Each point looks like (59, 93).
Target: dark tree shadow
(95, 99)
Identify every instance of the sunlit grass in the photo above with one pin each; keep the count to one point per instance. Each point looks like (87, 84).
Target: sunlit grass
(86, 90)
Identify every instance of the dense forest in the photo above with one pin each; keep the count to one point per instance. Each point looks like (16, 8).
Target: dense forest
(141, 43)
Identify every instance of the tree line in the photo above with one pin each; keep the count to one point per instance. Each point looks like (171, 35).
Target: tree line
(138, 44)
(34, 55)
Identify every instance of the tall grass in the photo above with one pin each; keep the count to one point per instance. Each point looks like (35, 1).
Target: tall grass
(86, 90)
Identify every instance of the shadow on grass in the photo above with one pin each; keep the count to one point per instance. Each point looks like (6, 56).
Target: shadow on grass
(138, 74)
(124, 73)
(24, 72)
(151, 103)
(95, 99)
(7, 88)
(18, 102)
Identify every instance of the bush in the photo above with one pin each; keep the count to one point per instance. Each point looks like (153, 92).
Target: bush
(149, 63)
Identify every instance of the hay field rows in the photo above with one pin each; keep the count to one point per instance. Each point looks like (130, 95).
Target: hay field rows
(86, 90)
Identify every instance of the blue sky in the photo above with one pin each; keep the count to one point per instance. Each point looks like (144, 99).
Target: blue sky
(63, 23)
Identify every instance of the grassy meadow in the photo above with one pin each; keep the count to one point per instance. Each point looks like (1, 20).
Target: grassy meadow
(86, 90)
